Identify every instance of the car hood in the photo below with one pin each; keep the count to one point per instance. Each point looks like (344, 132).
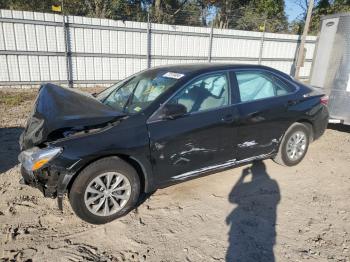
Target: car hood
(61, 112)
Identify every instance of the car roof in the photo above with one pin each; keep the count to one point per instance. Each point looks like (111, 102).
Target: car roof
(199, 68)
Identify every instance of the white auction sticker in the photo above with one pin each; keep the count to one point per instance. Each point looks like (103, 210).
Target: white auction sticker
(348, 86)
(173, 75)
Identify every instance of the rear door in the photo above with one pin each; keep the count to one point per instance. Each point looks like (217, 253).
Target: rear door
(200, 139)
(263, 108)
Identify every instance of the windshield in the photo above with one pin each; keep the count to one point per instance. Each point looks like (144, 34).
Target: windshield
(137, 92)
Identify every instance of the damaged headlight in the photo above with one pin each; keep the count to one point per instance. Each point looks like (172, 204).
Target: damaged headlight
(34, 158)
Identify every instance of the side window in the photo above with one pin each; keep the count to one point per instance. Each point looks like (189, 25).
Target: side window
(254, 85)
(208, 92)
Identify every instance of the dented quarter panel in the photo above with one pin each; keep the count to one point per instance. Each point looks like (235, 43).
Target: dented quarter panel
(262, 122)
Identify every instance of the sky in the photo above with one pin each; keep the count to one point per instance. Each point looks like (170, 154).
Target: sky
(292, 9)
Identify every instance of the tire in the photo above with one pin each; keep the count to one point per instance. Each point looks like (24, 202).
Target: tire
(87, 191)
(283, 156)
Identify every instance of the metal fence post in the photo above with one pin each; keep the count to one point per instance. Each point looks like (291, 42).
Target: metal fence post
(210, 47)
(67, 51)
(149, 41)
(262, 43)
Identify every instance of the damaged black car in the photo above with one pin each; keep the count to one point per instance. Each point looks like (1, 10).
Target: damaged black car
(162, 126)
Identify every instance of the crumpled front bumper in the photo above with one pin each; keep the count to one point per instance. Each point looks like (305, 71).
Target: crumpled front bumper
(52, 179)
(45, 180)
(51, 182)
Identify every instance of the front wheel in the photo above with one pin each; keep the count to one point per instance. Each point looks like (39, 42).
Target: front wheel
(105, 190)
(294, 145)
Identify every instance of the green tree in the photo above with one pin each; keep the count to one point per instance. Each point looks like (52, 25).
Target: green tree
(322, 8)
(27, 5)
(240, 14)
(114, 9)
(128, 10)
(228, 11)
(181, 12)
(260, 12)
(252, 14)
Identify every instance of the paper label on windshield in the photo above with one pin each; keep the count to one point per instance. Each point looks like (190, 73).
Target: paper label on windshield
(173, 75)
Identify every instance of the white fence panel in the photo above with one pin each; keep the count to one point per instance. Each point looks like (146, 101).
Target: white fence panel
(32, 48)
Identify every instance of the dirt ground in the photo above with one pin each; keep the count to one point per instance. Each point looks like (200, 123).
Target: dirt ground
(251, 213)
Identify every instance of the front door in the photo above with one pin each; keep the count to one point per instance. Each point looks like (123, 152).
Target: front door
(202, 138)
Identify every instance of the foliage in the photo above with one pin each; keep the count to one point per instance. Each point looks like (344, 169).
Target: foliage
(321, 8)
(238, 14)
(181, 12)
(251, 15)
(258, 12)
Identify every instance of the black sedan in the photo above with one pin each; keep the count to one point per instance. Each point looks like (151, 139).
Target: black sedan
(162, 126)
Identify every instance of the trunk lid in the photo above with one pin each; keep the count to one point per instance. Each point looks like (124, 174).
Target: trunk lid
(59, 112)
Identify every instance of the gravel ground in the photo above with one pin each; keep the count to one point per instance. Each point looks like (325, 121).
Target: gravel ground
(251, 213)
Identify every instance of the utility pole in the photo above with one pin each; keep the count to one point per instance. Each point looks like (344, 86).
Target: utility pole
(262, 41)
(300, 59)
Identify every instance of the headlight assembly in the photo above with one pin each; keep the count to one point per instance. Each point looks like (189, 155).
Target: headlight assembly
(34, 158)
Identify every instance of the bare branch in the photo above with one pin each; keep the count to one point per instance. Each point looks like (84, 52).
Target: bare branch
(179, 9)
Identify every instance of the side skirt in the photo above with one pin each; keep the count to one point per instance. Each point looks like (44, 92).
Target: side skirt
(227, 164)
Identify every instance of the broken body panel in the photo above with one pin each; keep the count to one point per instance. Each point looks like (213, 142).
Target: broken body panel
(60, 112)
(163, 151)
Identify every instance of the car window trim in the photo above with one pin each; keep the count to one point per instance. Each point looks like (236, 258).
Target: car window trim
(284, 80)
(227, 73)
(126, 80)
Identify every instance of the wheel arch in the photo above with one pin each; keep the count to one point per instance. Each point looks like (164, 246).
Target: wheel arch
(310, 126)
(279, 156)
(135, 163)
(303, 121)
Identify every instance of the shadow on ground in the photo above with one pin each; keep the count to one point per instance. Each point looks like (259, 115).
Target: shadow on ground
(143, 197)
(252, 233)
(339, 127)
(9, 147)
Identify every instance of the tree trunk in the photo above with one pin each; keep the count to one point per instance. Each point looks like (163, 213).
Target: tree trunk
(157, 10)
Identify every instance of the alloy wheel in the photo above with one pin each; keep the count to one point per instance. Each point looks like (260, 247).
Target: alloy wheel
(296, 145)
(107, 193)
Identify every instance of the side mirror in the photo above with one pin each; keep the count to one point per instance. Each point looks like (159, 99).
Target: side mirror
(172, 111)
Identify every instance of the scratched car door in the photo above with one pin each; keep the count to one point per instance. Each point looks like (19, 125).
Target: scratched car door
(263, 109)
(201, 138)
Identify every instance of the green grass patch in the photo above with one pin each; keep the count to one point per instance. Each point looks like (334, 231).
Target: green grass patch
(16, 98)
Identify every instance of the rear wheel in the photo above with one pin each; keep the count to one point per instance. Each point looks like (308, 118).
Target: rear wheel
(105, 190)
(294, 145)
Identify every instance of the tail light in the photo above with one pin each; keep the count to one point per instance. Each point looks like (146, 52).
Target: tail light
(324, 100)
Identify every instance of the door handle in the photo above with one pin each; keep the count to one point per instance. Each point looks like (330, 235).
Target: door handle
(255, 117)
(228, 118)
(291, 102)
(254, 114)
